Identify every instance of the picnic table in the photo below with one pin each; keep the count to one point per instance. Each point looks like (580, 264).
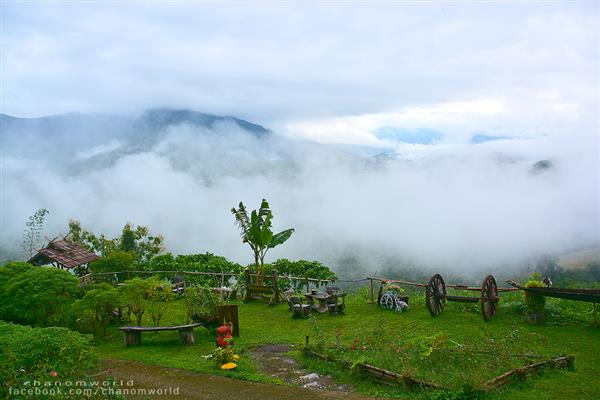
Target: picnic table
(132, 335)
(321, 301)
(334, 301)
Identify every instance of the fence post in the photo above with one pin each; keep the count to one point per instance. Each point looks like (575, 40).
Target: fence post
(275, 298)
(372, 299)
(222, 286)
(247, 279)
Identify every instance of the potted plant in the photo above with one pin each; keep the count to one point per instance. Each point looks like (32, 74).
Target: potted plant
(536, 303)
(399, 292)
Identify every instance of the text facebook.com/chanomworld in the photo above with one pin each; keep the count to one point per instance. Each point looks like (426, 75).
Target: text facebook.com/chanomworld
(88, 388)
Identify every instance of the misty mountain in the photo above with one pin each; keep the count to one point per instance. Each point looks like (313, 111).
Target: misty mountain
(76, 143)
(158, 120)
(207, 146)
(63, 136)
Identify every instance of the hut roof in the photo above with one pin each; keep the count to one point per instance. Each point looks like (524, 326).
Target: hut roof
(63, 252)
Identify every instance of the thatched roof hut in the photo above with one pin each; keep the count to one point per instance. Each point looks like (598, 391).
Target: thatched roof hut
(63, 254)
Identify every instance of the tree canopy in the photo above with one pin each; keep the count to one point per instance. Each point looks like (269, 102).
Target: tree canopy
(134, 239)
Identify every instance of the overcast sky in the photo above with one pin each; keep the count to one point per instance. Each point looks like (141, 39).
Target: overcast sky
(332, 73)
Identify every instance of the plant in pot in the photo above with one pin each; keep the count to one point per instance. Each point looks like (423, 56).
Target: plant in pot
(536, 303)
(398, 291)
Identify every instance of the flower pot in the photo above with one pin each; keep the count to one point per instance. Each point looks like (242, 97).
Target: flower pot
(536, 318)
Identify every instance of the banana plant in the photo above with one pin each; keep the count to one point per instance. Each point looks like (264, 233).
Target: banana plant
(256, 231)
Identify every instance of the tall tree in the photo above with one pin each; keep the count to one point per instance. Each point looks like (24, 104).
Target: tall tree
(134, 239)
(256, 231)
(127, 242)
(33, 232)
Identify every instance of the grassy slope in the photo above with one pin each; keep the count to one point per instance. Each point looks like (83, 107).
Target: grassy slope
(466, 349)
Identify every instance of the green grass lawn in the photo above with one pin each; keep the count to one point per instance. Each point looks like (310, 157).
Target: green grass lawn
(455, 348)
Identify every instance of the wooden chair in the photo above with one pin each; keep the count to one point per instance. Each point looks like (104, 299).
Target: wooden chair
(287, 295)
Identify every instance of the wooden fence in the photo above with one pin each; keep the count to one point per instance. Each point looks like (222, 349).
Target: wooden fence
(392, 378)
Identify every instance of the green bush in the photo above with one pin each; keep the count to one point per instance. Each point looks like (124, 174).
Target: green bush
(158, 294)
(39, 296)
(134, 294)
(536, 303)
(300, 268)
(96, 308)
(114, 262)
(206, 262)
(12, 269)
(43, 354)
(202, 305)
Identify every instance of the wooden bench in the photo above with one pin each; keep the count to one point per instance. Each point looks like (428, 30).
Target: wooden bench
(133, 334)
(255, 289)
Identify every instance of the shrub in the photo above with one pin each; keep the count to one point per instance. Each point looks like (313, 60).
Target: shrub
(38, 296)
(11, 269)
(535, 302)
(158, 294)
(134, 296)
(222, 355)
(97, 306)
(114, 262)
(206, 262)
(300, 268)
(28, 354)
(202, 304)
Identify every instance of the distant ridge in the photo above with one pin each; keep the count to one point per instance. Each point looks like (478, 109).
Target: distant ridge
(109, 136)
(152, 120)
(160, 118)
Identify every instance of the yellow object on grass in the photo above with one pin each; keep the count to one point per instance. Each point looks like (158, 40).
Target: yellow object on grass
(235, 357)
(229, 366)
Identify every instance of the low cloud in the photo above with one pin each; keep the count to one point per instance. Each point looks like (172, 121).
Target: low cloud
(457, 207)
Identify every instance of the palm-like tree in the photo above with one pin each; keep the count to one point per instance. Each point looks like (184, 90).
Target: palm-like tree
(256, 231)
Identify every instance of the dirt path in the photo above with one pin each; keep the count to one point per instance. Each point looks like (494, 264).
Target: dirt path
(272, 359)
(182, 384)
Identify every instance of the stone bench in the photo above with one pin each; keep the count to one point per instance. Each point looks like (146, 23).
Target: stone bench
(336, 303)
(132, 335)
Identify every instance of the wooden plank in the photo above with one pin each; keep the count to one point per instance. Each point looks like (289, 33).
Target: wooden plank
(229, 313)
(577, 294)
(463, 299)
(557, 362)
(157, 328)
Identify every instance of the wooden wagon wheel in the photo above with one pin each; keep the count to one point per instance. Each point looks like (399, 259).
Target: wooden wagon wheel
(489, 297)
(435, 297)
